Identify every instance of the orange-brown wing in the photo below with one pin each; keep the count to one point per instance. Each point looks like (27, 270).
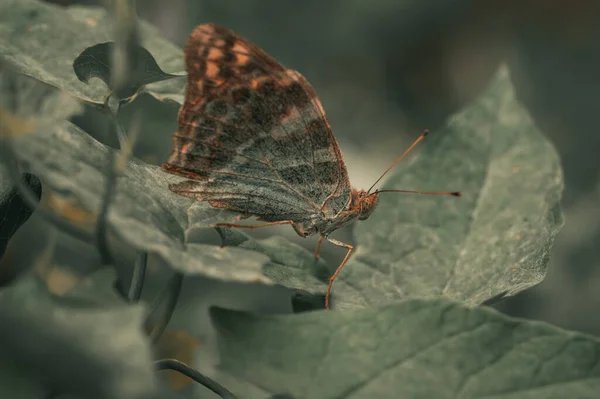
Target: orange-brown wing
(251, 132)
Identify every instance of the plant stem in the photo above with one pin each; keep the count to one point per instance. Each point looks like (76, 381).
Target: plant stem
(137, 279)
(171, 292)
(173, 364)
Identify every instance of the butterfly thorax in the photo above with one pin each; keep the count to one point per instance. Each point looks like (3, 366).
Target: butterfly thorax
(360, 207)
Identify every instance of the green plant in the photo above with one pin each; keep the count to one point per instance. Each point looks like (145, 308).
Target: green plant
(407, 319)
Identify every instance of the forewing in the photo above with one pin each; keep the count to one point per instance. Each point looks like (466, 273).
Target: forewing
(251, 132)
(327, 160)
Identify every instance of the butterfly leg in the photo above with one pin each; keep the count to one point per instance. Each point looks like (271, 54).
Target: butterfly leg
(254, 226)
(317, 256)
(339, 269)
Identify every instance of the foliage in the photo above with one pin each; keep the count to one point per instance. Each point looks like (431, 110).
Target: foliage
(468, 249)
(412, 349)
(48, 338)
(406, 321)
(30, 28)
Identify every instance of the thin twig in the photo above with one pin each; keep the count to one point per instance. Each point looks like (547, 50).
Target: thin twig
(101, 233)
(117, 165)
(111, 109)
(173, 364)
(30, 198)
(128, 144)
(137, 279)
(169, 295)
(124, 68)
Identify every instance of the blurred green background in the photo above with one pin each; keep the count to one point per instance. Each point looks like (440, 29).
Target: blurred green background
(385, 70)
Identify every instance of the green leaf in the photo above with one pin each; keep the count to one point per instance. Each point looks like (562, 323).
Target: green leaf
(413, 349)
(496, 238)
(144, 213)
(95, 62)
(290, 264)
(27, 105)
(53, 345)
(42, 40)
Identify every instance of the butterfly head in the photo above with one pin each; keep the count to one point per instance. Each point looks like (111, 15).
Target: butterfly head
(366, 203)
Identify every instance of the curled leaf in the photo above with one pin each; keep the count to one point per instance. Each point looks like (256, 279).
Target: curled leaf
(30, 28)
(95, 62)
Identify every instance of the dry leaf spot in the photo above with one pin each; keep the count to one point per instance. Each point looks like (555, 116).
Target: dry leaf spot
(12, 126)
(69, 210)
(60, 281)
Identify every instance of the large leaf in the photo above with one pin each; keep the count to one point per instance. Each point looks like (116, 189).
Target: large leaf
(42, 40)
(411, 350)
(25, 106)
(144, 213)
(495, 239)
(62, 346)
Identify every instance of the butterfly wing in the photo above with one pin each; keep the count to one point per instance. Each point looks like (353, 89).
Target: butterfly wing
(252, 135)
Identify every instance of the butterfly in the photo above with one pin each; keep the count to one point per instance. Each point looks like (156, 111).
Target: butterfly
(253, 138)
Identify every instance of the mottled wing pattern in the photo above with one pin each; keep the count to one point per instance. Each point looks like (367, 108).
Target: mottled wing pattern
(252, 135)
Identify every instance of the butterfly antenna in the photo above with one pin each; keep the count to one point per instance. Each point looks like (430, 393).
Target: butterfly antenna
(421, 137)
(453, 193)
